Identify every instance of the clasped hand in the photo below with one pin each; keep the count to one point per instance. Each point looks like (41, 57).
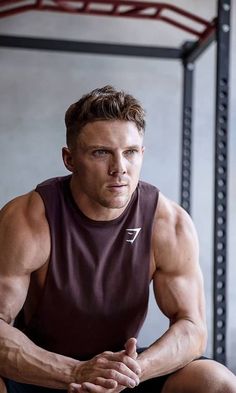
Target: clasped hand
(108, 372)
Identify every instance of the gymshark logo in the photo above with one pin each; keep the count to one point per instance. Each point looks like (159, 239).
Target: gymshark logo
(133, 233)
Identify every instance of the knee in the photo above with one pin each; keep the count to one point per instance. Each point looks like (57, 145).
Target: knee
(217, 377)
(202, 376)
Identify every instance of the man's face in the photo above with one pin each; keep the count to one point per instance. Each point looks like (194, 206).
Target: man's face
(107, 161)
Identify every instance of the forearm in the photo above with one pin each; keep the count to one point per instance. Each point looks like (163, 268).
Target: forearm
(23, 361)
(181, 343)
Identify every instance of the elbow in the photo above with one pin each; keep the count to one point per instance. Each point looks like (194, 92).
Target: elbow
(202, 340)
(198, 338)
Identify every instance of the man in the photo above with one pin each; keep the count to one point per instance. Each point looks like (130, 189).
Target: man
(77, 256)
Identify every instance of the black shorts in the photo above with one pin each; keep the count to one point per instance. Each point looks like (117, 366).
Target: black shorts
(153, 385)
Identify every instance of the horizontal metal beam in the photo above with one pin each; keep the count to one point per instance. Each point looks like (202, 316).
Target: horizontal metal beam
(20, 42)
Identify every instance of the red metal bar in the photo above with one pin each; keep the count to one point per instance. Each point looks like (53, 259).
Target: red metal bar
(180, 26)
(18, 10)
(136, 10)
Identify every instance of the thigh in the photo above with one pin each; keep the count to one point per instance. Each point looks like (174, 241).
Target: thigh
(16, 387)
(201, 376)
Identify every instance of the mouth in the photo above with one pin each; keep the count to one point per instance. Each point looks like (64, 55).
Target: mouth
(117, 187)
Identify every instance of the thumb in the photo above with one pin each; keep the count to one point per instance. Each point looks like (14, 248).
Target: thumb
(131, 347)
(74, 388)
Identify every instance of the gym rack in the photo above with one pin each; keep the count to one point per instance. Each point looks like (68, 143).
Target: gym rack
(216, 30)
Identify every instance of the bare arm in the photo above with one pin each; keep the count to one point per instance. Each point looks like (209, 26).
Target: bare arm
(25, 248)
(178, 288)
(24, 245)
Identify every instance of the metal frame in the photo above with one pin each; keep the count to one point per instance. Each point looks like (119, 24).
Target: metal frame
(216, 30)
(123, 8)
(221, 164)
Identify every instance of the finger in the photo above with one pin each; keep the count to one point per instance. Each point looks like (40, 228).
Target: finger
(120, 373)
(89, 387)
(112, 367)
(106, 383)
(131, 363)
(114, 360)
(131, 347)
(75, 388)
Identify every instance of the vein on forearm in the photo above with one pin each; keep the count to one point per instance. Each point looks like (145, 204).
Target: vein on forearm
(23, 361)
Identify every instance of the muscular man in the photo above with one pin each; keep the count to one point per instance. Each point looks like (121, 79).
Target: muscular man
(77, 256)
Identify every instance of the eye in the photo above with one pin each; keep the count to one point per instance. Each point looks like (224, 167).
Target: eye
(131, 152)
(100, 153)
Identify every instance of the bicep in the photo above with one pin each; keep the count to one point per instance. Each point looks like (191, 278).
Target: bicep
(178, 282)
(20, 255)
(180, 296)
(14, 274)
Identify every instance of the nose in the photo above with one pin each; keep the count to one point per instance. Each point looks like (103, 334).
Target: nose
(117, 165)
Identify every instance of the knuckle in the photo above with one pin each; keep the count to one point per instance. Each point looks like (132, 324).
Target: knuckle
(124, 358)
(112, 374)
(120, 366)
(111, 383)
(100, 361)
(107, 353)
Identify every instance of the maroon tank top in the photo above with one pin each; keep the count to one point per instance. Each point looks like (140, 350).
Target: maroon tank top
(96, 291)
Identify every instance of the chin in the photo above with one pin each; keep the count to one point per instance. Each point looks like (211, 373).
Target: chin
(117, 203)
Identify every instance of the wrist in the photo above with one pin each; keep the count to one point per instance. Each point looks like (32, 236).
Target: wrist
(144, 365)
(76, 376)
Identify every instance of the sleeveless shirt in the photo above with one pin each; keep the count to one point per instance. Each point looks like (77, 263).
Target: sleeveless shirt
(97, 286)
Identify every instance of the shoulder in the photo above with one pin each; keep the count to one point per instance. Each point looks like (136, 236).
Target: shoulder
(170, 216)
(23, 225)
(174, 234)
(27, 209)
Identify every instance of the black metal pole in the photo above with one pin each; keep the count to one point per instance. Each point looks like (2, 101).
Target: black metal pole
(220, 202)
(186, 156)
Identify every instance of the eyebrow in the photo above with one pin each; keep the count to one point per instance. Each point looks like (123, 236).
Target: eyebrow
(94, 147)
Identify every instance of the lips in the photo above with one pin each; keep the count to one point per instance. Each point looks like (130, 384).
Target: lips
(117, 185)
(117, 188)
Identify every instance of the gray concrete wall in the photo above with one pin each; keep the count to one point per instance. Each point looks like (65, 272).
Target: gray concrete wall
(37, 87)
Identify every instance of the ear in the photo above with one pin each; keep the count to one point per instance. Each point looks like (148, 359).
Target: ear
(68, 159)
